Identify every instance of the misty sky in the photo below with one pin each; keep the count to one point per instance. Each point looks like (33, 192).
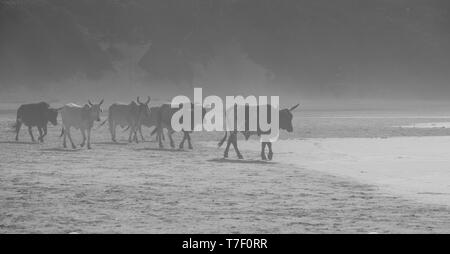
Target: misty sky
(339, 49)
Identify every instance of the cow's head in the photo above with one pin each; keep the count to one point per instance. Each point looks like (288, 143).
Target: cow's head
(51, 114)
(286, 118)
(144, 111)
(95, 110)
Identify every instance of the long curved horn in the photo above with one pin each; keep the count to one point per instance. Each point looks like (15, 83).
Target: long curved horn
(101, 102)
(138, 100)
(90, 103)
(294, 107)
(148, 100)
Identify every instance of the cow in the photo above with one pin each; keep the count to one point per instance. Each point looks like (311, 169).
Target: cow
(285, 123)
(151, 120)
(82, 118)
(35, 114)
(131, 115)
(164, 118)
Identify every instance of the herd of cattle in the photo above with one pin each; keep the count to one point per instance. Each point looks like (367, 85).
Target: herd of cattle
(131, 116)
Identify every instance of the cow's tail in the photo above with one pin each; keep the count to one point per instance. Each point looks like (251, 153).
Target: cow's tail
(223, 139)
(13, 127)
(128, 127)
(62, 132)
(17, 123)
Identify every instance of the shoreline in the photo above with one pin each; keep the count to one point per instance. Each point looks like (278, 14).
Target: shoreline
(411, 167)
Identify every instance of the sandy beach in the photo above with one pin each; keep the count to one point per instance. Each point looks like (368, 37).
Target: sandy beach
(358, 89)
(313, 185)
(416, 168)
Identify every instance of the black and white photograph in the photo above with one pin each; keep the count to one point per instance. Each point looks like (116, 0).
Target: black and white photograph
(224, 117)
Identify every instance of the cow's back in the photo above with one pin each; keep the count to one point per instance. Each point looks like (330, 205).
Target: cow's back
(245, 124)
(165, 114)
(152, 119)
(33, 114)
(122, 114)
(72, 115)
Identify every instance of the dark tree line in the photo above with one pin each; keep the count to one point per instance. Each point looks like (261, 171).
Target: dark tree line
(323, 42)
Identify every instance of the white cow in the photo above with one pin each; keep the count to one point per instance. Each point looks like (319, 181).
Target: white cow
(82, 118)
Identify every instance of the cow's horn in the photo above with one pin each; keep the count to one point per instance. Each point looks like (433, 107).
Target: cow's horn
(294, 107)
(101, 102)
(90, 103)
(138, 100)
(148, 100)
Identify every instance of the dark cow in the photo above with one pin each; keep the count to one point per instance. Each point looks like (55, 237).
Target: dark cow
(285, 123)
(35, 115)
(149, 121)
(130, 115)
(164, 117)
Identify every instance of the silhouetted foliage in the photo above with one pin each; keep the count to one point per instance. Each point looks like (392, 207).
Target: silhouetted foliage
(325, 43)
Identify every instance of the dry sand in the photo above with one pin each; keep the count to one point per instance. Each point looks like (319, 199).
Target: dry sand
(129, 188)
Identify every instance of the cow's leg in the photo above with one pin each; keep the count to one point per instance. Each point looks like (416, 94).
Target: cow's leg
(140, 132)
(45, 132)
(172, 144)
(83, 134)
(135, 138)
(270, 155)
(135, 135)
(112, 130)
(89, 138)
(131, 134)
(40, 139)
(30, 131)
(263, 152)
(18, 126)
(158, 136)
(70, 137)
(154, 132)
(182, 141)
(65, 136)
(234, 142)
(225, 154)
(189, 140)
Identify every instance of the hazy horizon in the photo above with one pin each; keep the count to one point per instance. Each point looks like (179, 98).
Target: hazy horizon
(376, 54)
